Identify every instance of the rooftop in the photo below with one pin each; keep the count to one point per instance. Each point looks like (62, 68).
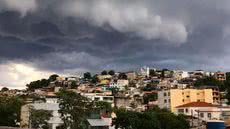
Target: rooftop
(197, 104)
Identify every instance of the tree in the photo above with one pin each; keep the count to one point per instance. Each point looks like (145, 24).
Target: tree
(44, 82)
(74, 109)
(209, 81)
(151, 119)
(4, 89)
(95, 79)
(73, 84)
(53, 77)
(152, 72)
(111, 72)
(103, 105)
(40, 118)
(87, 75)
(122, 76)
(104, 72)
(149, 97)
(10, 108)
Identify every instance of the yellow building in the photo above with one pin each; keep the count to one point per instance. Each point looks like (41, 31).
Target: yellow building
(174, 97)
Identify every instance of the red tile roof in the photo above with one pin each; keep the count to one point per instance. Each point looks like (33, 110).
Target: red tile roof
(196, 104)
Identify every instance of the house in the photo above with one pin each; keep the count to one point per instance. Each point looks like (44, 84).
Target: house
(50, 105)
(120, 84)
(99, 97)
(98, 124)
(221, 76)
(204, 111)
(174, 97)
(131, 75)
(178, 74)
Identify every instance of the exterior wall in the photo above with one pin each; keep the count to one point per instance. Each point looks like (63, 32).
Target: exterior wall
(122, 82)
(24, 123)
(53, 107)
(174, 97)
(205, 113)
(221, 76)
(95, 97)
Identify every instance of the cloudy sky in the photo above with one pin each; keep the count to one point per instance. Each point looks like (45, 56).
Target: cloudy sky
(41, 37)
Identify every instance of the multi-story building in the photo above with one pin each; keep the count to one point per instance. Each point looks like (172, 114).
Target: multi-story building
(174, 97)
(215, 93)
(50, 105)
(221, 76)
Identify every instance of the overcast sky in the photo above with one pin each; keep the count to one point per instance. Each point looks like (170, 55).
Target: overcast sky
(41, 37)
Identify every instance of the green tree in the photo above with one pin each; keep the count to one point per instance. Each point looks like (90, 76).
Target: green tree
(210, 81)
(39, 118)
(149, 97)
(104, 72)
(74, 109)
(152, 119)
(73, 84)
(111, 72)
(53, 77)
(87, 75)
(122, 76)
(152, 72)
(10, 108)
(4, 89)
(103, 106)
(95, 79)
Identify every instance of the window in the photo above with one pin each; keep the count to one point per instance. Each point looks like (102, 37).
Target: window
(182, 100)
(169, 100)
(165, 94)
(201, 115)
(168, 93)
(96, 98)
(187, 96)
(186, 110)
(209, 115)
(180, 110)
(165, 101)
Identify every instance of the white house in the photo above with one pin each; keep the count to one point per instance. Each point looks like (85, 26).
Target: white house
(120, 83)
(204, 111)
(50, 105)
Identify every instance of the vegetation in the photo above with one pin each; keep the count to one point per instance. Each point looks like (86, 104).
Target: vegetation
(41, 83)
(10, 108)
(4, 89)
(111, 72)
(95, 79)
(87, 75)
(152, 72)
(149, 97)
(208, 81)
(104, 72)
(105, 106)
(122, 76)
(74, 109)
(40, 118)
(152, 119)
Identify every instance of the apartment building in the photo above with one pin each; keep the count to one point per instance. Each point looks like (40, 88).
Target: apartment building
(50, 105)
(174, 97)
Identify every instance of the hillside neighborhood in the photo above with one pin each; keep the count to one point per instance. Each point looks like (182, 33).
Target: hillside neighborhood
(196, 96)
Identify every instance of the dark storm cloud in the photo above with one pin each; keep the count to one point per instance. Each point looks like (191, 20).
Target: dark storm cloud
(70, 35)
